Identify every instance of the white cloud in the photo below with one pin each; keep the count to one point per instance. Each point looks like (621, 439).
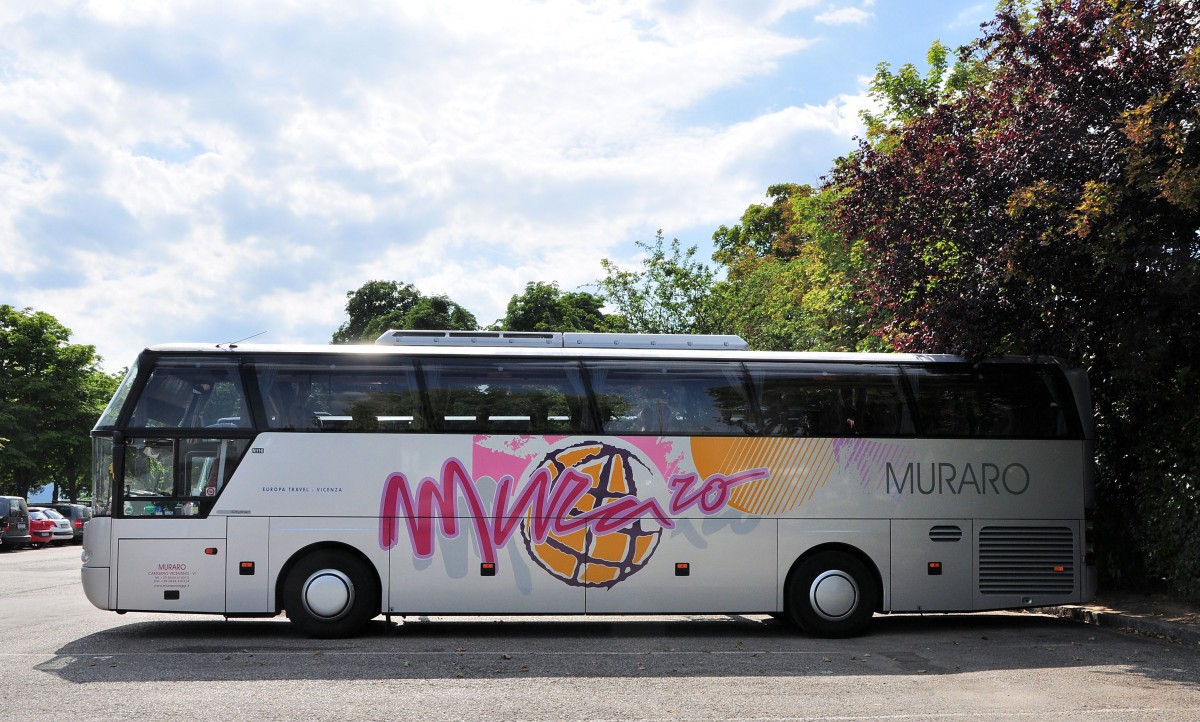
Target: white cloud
(975, 15)
(191, 169)
(844, 16)
(24, 183)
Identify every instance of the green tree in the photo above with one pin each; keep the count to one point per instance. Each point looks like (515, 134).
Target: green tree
(791, 280)
(72, 469)
(543, 307)
(50, 396)
(907, 95)
(670, 294)
(766, 230)
(430, 313)
(1054, 209)
(374, 300)
(381, 305)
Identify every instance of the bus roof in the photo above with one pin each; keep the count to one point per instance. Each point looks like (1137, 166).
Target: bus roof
(366, 350)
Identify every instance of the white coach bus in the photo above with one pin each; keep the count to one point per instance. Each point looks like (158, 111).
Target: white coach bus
(440, 473)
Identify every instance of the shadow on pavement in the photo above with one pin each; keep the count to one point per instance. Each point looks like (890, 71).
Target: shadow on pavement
(572, 647)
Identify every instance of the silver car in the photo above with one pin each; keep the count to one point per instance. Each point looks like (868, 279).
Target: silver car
(76, 514)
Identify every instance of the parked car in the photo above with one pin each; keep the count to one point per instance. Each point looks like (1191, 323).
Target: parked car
(41, 529)
(47, 526)
(77, 514)
(14, 523)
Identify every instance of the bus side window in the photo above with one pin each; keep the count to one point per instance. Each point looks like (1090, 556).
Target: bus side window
(316, 396)
(671, 397)
(149, 476)
(287, 404)
(631, 399)
(201, 469)
(822, 399)
(208, 464)
(177, 477)
(192, 394)
(506, 396)
(992, 400)
(784, 415)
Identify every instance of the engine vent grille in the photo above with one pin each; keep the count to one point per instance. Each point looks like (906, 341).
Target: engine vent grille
(1026, 560)
(945, 533)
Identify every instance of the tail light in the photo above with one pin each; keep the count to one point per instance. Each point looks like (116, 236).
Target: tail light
(79, 523)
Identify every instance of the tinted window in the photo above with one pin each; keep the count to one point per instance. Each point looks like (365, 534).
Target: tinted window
(506, 395)
(806, 399)
(109, 418)
(177, 477)
(192, 394)
(340, 397)
(993, 400)
(671, 397)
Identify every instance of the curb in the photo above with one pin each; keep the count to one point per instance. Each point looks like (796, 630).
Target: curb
(1125, 622)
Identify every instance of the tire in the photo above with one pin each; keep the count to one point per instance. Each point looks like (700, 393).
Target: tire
(832, 594)
(331, 595)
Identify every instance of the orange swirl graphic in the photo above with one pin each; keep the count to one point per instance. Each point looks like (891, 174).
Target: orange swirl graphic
(798, 467)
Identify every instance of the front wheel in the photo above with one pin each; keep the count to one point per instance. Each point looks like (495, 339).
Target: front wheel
(832, 594)
(330, 595)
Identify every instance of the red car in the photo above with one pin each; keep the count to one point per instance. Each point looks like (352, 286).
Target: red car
(47, 525)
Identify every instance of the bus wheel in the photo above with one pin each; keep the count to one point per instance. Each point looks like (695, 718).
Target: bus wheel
(330, 595)
(832, 594)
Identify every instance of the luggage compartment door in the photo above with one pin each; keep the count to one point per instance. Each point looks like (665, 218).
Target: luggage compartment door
(931, 565)
(171, 575)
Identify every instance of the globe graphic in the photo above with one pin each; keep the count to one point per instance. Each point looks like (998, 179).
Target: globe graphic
(583, 558)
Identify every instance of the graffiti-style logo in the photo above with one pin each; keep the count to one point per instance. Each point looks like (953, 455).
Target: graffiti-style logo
(583, 557)
(578, 510)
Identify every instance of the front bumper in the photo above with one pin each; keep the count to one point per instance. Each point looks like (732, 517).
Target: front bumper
(95, 586)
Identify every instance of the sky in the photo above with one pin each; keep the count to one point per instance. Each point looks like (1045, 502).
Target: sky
(208, 170)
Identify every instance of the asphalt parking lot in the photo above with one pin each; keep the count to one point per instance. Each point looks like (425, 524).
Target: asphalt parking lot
(100, 665)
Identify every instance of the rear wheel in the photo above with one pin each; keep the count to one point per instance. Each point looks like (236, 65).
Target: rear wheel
(832, 594)
(329, 595)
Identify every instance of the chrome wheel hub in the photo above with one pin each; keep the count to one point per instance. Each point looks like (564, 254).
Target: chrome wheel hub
(833, 595)
(328, 594)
